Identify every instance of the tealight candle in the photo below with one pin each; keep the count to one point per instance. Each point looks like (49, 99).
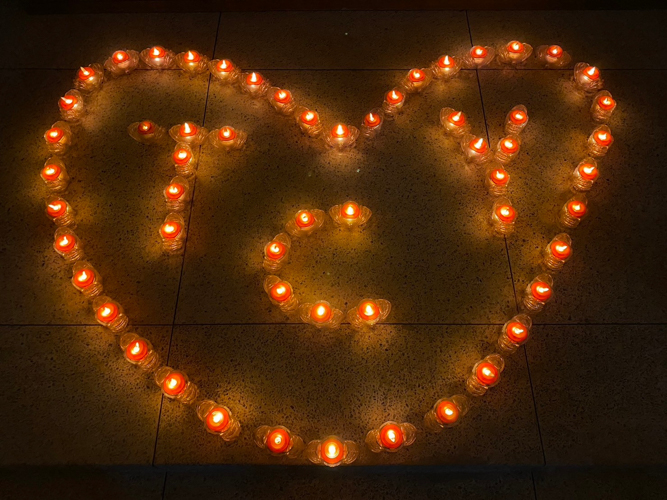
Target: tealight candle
(391, 437)
(139, 351)
(305, 222)
(350, 214)
(172, 232)
(476, 149)
(321, 315)
(507, 149)
(515, 53)
(184, 160)
(59, 211)
(218, 420)
(278, 441)
(342, 136)
(224, 70)
(393, 103)
(537, 293)
(603, 106)
(587, 78)
(122, 62)
(58, 138)
(514, 333)
(254, 84)
(192, 62)
(281, 294)
(585, 175)
(372, 123)
(446, 412)
(557, 252)
(445, 67)
(176, 385)
(228, 138)
(157, 57)
(54, 175)
(110, 314)
(188, 133)
(503, 217)
(368, 313)
(497, 179)
(281, 100)
(573, 211)
(146, 132)
(485, 374)
(454, 122)
(553, 56)
(276, 253)
(600, 141)
(332, 452)
(479, 56)
(177, 194)
(86, 279)
(516, 120)
(309, 121)
(66, 243)
(89, 78)
(417, 80)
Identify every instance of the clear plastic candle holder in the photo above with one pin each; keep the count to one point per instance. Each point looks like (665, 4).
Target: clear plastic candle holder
(309, 121)
(146, 132)
(176, 385)
(514, 333)
(110, 314)
(417, 80)
(342, 137)
(368, 313)
(60, 212)
(557, 252)
(227, 138)
(372, 123)
(455, 123)
(86, 279)
(603, 106)
(552, 56)
(54, 175)
(122, 62)
(71, 106)
(600, 141)
(585, 175)
(305, 222)
(476, 149)
(224, 71)
(515, 53)
(332, 451)
(279, 441)
(281, 100)
(157, 57)
(446, 412)
(321, 315)
(350, 214)
(516, 120)
(478, 57)
(445, 67)
(507, 149)
(574, 210)
(172, 232)
(254, 84)
(496, 179)
(485, 374)
(185, 160)
(58, 138)
(391, 437)
(394, 100)
(67, 244)
(188, 133)
(218, 420)
(587, 78)
(89, 78)
(281, 294)
(276, 253)
(538, 292)
(503, 217)
(177, 194)
(139, 351)
(192, 63)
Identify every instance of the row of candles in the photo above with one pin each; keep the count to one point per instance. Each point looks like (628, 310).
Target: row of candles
(217, 418)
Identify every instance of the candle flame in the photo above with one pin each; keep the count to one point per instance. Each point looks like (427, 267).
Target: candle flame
(83, 276)
(174, 189)
(499, 174)
(394, 95)
(589, 169)
(275, 248)
(280, 289)
(182, 154)
(64, 241)
(509, 143)
(416, 73)
(136, 348)
(305, 217)
(555, 50)
(172, 383)
(54, 133)
(190, 56)
(156, 52)
(590, 71)
(516, 46)
(479, 51)
(186, 128)
(278, 439)
(68, 100)
(282, 94)
(370, 310)
(446, 61)
(55, 206)
(50, 170)
(106, 311)
(542, 289)
(602, 136)
(84, 71)
(310, 115)
(487, 371)
(518, 116)
(457, 116)
(349, 210)
(169, 228)
(340, 130)
(479, 143)
(332, 450)
(561, 247)
(254, 78)
(449, 412)
(223, 64)
(518, 331)
(505, 211)
(371, 117)
(217, 417)
(120, 56)
(391, 435)
(321, 310)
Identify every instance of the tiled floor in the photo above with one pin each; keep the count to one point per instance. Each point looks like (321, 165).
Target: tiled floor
(587, 391)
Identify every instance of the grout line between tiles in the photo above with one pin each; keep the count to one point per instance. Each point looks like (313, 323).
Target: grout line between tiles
(532, 476)
(268, 323)
(537, 416)
(406, 68)
(164, 484)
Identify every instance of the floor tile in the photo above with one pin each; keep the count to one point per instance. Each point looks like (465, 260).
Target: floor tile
(76, 483)
(340, 40)
(115, 189)
(608, 39)
(611, 277)
(427, 248)
(600, 393)
(344, 383)
(73, 399)
(70, 41)
(609, 484)
(349, 484)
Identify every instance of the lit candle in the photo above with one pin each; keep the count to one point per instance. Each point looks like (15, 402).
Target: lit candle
(218, 420)
(55, 175)
(603, 106)
(537, 293)
(507, 149)
(515, 52)
(372, 123)
(172, 233)
(224, 70)
(557, 252)
(281, 294)
(58, 138)
(177, 194)
(497, 180)
(368, 313)
(228, 138)
(332, 451)
(479, 56)
(309, 121)
(476, 149)
(184, 160)
(136, 351)
(146, 132)
(585, 175)
(67, 245)
(192, 62)
(276, 252)
(59, 211)
(254, 84)
(139, 351)
(175, 385)
(503, 217)
(553, 56)
(573, 211)
(600, 141)
(188, 133)
(391, 437)
(516, 120)
(587, 78)
(342, 136)
(446, 412)
(109, 314)
(454, 122)
(417, 80)
(320, 312)
(157, 57)
(321, 315)
(445, 67)
(86, 279)
(278, 441)
(305, 222)
(393, 103)
(514, 333)
(89, 78)
(282, 100)
(485, 374)
(122, 62)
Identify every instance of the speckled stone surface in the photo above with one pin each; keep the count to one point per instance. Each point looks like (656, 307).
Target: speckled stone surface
(344, 383)
(617, 249)
(427, 247)
(612, 39)
(589, 411)
(71, 398)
